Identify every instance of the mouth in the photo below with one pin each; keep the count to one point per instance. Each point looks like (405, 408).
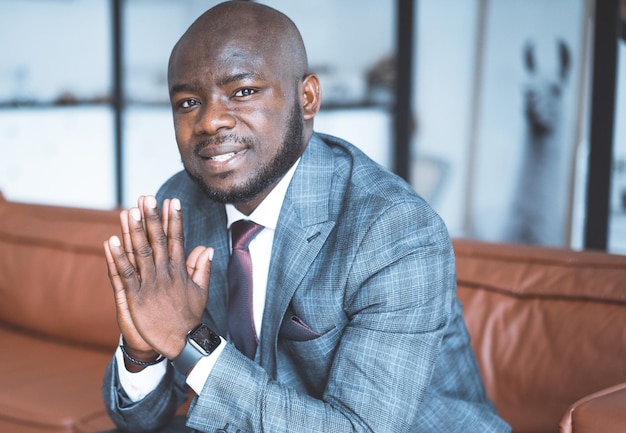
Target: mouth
(220, 161)
(222, 158)
(222, 154)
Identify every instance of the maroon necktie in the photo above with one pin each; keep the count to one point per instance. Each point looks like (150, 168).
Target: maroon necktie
(240, 312)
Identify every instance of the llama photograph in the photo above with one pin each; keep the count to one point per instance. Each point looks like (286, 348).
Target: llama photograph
(539, 200)
(528, 127)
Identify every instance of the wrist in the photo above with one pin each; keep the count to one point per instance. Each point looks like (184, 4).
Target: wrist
(136, 360)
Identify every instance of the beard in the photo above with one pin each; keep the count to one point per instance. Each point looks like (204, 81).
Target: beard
(266, 175)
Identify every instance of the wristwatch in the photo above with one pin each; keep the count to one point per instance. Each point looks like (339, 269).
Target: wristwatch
(201, 342)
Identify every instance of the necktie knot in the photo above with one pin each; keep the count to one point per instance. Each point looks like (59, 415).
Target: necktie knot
(243, 232)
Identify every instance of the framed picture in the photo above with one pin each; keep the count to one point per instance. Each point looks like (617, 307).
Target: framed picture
(529, 125)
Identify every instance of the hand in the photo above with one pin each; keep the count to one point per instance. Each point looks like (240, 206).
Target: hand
(158, 295)
(133, 342)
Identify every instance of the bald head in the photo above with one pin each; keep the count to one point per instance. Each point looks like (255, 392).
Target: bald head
(248, 26)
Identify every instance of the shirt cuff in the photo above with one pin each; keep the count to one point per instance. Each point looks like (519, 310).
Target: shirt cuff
(199, 374)
(138, 385)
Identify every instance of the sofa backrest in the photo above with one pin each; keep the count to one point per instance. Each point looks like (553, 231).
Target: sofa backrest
(548, 326)
(53, 275)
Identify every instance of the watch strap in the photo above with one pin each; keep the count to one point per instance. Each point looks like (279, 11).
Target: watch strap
(187, 359)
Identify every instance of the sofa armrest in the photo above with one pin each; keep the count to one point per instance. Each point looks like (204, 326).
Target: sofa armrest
(603, 411)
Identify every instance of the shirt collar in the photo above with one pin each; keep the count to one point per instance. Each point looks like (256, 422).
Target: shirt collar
(267, 212)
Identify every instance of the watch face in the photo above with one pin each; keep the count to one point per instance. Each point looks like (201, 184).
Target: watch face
(205, 338)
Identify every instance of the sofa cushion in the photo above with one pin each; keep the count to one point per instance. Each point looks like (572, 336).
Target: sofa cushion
(53, 276)
(50, 387)
(547, 326)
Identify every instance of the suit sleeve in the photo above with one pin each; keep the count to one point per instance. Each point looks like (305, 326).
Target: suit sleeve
(397, 296)
(149, 414)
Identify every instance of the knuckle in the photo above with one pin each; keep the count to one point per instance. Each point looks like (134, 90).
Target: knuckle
(153, 217)
(138, 228)
(127, 271)
(177, 237)
(112, 273)
(160, 239)
(144, 250)
(119, 257)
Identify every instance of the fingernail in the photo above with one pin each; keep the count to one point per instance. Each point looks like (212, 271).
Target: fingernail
(151, 202)
(136, 214)
(115, 241)
(176, 204)
(211, 252)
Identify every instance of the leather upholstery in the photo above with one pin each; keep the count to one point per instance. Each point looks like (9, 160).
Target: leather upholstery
(602, 411)
(547, 326)
(57, 318)
(53, 276)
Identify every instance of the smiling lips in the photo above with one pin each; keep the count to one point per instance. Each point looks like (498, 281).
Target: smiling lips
(222, 158)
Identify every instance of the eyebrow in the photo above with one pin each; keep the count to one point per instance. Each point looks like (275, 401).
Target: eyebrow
(228, 79)
(183, 87)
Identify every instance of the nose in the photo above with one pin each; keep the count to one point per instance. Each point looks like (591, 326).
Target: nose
(213, 116)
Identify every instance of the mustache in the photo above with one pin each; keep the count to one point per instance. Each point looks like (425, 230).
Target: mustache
(229, 138)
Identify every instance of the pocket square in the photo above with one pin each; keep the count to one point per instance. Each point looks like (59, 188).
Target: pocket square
(293, 328)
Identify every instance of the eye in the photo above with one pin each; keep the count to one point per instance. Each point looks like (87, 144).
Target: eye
(245, 92)
(188, 103)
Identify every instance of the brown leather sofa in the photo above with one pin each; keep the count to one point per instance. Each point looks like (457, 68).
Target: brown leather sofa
(57, 318)
(549, 330)
(548, 326)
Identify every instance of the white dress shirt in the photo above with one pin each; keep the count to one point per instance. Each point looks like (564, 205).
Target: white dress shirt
(138, 385)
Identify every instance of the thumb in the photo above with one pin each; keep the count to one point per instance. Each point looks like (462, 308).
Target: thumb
(199, 266)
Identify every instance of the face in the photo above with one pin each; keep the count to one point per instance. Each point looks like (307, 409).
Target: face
(238, 120)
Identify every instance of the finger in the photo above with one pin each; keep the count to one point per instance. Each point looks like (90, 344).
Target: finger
(193, 259)
(165, 213)
(199, 266)
(140, 205)
(140, 201)
(124, 318)
(116, 282)
(126, 242)
(154, 229)
(119, 294)
(121, 272)
(140, 244)
(175, 234)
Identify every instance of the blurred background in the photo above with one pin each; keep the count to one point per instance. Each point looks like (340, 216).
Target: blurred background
(504, 114)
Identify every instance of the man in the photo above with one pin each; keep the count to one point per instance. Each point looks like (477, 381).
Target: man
(351, 322)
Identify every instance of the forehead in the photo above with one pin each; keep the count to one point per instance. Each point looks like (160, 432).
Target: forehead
(222, 57)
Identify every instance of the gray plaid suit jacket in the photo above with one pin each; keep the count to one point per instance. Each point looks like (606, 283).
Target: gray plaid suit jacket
(362, 331)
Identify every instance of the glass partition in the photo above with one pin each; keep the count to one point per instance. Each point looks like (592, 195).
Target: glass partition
(55, 90)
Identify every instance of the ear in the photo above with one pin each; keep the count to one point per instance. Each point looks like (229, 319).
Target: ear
(310, 96)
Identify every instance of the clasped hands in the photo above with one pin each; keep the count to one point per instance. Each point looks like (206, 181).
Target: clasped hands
(159, 296)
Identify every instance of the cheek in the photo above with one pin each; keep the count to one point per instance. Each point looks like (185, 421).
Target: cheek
(268, 125)
(182, 134)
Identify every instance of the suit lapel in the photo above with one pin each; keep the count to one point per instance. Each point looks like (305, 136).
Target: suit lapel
(209, 229)
(303, 227)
